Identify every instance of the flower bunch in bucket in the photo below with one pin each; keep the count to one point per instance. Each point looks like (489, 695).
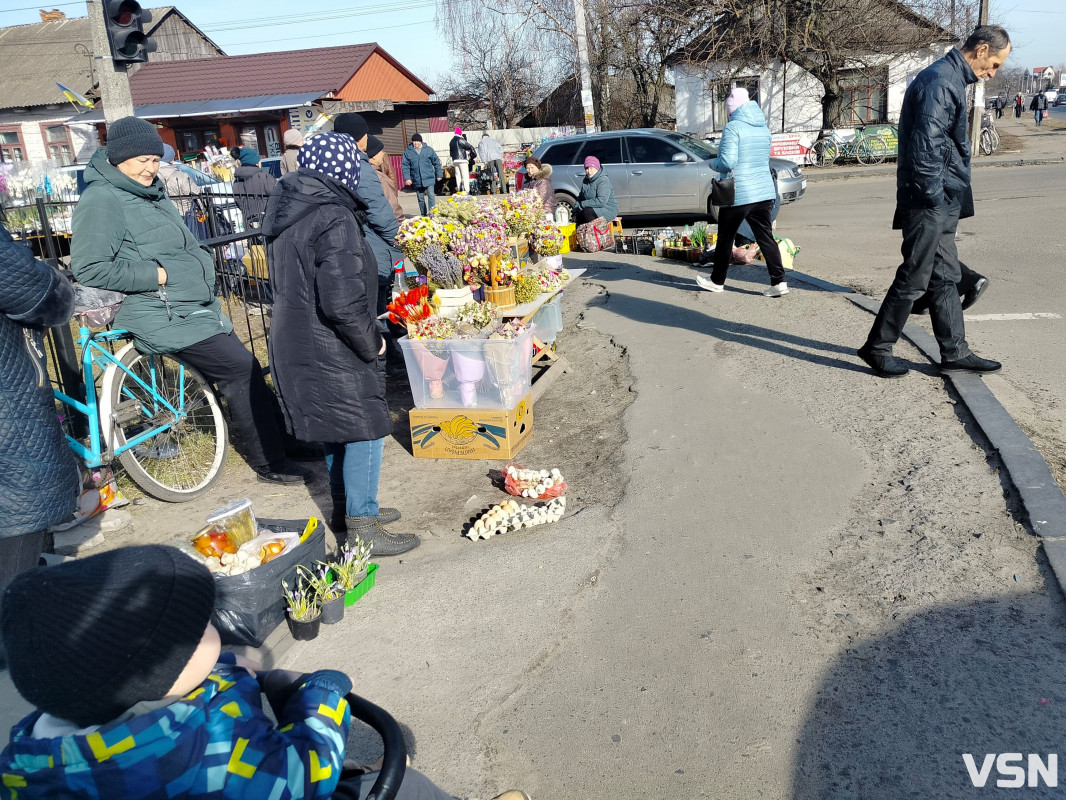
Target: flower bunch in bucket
(547, 239)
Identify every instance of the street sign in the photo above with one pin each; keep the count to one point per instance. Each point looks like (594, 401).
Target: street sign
(332, 108)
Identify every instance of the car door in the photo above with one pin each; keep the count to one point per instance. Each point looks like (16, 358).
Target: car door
(659, 184)
(608, 149)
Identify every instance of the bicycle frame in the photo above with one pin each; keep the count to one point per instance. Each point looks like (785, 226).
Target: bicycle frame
(94, 353)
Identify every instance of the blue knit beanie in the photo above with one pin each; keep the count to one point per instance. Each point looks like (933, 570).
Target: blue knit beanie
(249, 157)
(333, 155)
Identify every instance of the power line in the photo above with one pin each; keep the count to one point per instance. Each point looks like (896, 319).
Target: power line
(37, 8)
(295, 19)
(325, 35)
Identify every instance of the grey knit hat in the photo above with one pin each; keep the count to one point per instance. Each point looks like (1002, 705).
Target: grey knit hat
(130, 137)
(87, 639)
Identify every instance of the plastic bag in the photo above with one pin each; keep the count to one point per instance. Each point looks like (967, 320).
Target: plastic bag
(745, 254)
(249, 606)
(789, 251)
(595, 236)
(514, 486)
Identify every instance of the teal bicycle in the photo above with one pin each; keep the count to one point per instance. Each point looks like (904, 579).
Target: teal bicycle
(158, 416)
(865, 148)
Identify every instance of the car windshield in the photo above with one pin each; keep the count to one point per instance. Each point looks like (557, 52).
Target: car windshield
(202, 179)
(694, 146)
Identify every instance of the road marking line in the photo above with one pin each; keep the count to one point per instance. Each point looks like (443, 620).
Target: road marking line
(1009, 317)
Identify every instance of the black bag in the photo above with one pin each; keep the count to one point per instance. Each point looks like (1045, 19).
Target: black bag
(723, 192)
(249, 606)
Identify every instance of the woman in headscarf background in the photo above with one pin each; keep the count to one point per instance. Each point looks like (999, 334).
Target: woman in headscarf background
(325, 346)
(293, 141)
(596, 198)
(744, 154)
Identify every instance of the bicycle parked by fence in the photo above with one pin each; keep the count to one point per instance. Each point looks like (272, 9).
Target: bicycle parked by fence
(989, 135)
(866, 148)
(158, 416)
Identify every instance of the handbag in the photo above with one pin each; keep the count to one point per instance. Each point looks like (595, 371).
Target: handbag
(595, 236)
(723, 192)
(1045, 113)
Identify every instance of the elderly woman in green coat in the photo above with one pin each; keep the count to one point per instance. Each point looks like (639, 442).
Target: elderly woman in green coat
(129, 237)
(596, 198)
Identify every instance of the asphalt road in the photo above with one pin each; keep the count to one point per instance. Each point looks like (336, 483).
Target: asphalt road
(844, 227)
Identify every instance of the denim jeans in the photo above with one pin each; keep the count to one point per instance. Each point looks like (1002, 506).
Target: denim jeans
(354, 470)
(1038, 115)
(930, 264)
(426, 203)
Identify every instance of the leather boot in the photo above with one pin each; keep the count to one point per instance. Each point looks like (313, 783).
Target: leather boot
(385, 544)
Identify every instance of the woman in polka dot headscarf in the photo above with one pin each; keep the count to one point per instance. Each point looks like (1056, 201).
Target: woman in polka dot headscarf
(326, 351)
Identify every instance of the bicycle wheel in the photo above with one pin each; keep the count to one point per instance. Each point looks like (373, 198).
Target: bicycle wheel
(823, 153)
(871, 150)
(987, 142)
(183, 461)
(995, 139)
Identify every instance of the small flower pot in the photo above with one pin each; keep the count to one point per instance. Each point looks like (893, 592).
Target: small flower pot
(304, 630)
(333, 610)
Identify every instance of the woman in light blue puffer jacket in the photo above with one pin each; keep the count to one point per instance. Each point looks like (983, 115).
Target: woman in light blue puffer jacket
(744, 153)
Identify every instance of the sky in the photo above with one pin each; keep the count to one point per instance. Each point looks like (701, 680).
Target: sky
(405, 28)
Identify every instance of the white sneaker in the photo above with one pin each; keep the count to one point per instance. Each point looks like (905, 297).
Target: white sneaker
(777, 290)
(706, 283)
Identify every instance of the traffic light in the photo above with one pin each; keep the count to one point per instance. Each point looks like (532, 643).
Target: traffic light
(125, 20)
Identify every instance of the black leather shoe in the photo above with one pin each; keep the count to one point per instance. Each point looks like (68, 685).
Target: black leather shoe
(973, 294)
(971, 363)
(883, 366)
(286, 472)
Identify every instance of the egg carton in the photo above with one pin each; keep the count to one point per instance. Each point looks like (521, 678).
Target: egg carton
(510, 515)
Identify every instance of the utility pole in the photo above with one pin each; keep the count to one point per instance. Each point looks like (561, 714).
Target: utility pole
(114, 81)
(583, 66)
(979, 94)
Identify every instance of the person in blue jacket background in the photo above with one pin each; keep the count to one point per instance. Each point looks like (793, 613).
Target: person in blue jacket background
(421, 171)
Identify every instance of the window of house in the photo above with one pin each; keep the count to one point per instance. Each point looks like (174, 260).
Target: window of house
(57, 142)
(12, 148)
(865, 97)
(722, 90)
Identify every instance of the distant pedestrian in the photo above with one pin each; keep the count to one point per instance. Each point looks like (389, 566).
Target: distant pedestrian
(1018, 103)
(491, 155)
(1039, 106)
(293, 140)
(932, 192)
(744, 154)
(1001, 103)
(421, 171)
(179, 185)
(461, 150)
(251, 186)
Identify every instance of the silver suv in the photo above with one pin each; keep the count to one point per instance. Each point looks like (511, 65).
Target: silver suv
(652, 171)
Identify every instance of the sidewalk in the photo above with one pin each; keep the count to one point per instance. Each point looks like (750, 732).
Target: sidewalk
(1046, 144)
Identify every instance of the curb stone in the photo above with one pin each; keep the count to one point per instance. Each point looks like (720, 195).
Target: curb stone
(1040, 493)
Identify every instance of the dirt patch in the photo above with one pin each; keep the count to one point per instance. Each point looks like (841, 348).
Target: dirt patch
(578, 428)
(1008, 142)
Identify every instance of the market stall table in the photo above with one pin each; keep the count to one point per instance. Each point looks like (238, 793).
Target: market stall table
(543, 357)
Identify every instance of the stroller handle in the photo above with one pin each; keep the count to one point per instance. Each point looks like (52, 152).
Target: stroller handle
(394, 761)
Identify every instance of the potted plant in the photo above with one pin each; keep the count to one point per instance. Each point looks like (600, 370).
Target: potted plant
(351, 570)
(304, 615)
(327, 591)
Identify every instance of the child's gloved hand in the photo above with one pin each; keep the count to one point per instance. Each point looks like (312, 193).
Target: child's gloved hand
(279, 685)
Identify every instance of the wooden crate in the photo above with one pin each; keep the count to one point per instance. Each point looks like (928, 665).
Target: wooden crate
(471, 433)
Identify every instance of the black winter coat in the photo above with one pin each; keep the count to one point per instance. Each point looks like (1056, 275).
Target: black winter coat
(251, 186)
(324, 337)
(460, 148)
(934, 144)
(1038, 103)
(39, 475)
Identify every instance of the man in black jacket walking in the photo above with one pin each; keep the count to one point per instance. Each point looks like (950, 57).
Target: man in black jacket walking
(1039, 105)
(932, 192)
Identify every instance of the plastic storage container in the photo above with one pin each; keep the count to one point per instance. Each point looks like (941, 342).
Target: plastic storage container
(469, 373)
(549, 320)
(236, 520)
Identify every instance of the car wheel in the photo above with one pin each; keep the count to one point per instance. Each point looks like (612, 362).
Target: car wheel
(712, 211)
(564, 208)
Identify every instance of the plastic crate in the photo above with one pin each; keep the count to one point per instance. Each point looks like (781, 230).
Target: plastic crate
(353, 595)
(469, 373)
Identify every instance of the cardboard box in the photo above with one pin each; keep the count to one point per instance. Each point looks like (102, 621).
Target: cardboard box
(471, 432)
(518, 249)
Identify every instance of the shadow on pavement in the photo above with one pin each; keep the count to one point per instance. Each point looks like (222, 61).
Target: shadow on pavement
(691, 318)
(894, 714)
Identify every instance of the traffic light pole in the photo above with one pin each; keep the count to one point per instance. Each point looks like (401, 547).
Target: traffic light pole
(114, 81)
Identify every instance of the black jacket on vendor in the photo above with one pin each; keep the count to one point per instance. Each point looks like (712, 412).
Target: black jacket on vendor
(1039, 102)
(460, 148)
(934, 146)
(324, 337)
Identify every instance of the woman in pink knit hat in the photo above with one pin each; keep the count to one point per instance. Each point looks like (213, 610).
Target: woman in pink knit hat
(461, 152)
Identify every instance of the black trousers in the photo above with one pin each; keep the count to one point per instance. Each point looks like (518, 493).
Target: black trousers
(930, 264)
(966, 283)
(758, 217)
(237, 374)
(18, 554)
(586, 215)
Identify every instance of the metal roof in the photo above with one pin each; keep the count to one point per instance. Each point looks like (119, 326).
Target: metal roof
(204, 108)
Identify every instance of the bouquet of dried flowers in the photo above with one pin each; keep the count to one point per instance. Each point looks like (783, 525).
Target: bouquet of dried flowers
(547, 240)
(431, 331)
(410, 307)
(443, 268)
(483, 237)
(461, 208)
(522, 211)
(417, 233)
(476, 315)
(511, 329)
(527, 287)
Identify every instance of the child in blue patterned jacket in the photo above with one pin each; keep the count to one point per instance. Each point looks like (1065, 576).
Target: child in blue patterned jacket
(134, 700)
